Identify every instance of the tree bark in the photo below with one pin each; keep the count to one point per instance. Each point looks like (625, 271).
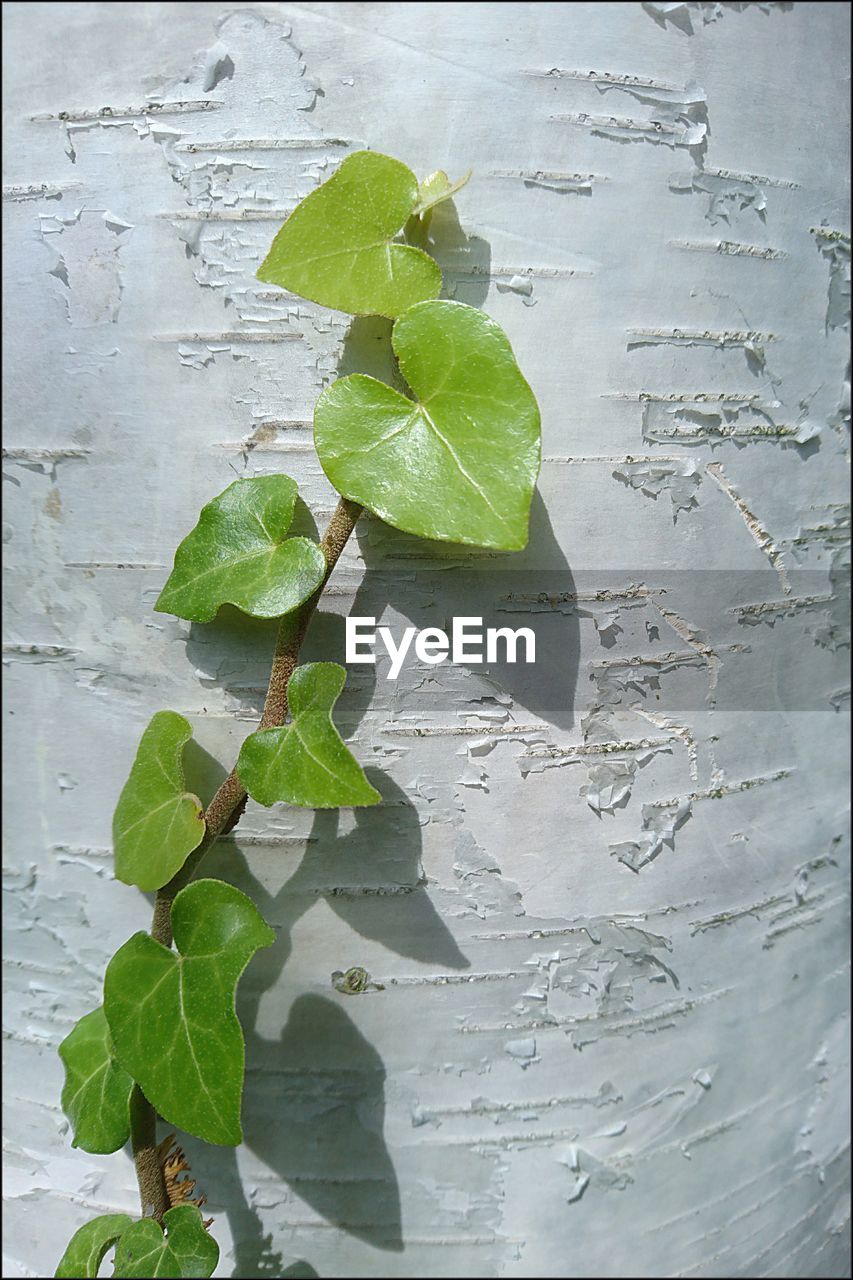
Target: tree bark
(602, 908)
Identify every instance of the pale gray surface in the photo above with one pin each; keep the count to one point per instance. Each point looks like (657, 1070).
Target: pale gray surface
(451, 1124)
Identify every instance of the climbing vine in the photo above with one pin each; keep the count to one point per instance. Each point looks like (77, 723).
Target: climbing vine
(454, 456)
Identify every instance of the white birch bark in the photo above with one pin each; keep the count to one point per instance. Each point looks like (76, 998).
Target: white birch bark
(605, 896)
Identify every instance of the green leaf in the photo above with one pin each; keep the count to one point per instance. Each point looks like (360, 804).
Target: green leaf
(438, 187)
(305, 762)
(335, 248)
(87, 1247)
(157, 824)
(460, 463)
(185, 1250)
(96, 1096)
(239, 554)
(172, 1017)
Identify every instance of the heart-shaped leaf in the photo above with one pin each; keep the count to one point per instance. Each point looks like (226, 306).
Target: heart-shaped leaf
(239, 553)
(460, 463)
(335, 248)
(186, 1249)
(96, 1096)
(172, 1016)
(305, 762)
(157, 823)
(87, 1247)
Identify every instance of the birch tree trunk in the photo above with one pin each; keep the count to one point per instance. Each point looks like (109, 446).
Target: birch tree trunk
(605, 894)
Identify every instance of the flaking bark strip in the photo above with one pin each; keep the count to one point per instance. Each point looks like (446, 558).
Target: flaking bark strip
(38, 191)
(638, 337)
(191, 107)
(726, 789)
(730, 248)
(753, 524)
(228, 215)
(231, 337)
(581, 752)
(262, 144)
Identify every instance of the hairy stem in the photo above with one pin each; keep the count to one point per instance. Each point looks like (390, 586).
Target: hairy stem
(146, 1157)
(221, 816)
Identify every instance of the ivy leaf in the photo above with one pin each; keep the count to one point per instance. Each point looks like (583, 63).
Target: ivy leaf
(305, 762)
(157, 823)
(336, 247)
(96, 1096)
(460, 463)
(436, 188)
(87, 1247)
(172, 1016)
(239, 554)
(186, 1248)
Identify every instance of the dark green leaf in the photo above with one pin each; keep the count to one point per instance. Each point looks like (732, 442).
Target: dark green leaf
(305, 762)
(97, 1090)
(172, 1017)
(186, 1249)
(87, 1247)
(239, 553)
(157, 823)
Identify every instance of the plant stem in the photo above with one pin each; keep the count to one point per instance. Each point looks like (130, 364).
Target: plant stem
(149, 1172)
(221, 816)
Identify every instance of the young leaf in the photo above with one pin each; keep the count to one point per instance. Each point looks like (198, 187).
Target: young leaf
(157, 824)
(335, 248)
(87, 1247)
(460, 464)
(186, 1249)
(305, 762)
(97, 1090)
(239, 554)
(438, 187)
(172, 1016)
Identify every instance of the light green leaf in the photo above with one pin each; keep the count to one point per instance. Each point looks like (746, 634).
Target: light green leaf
(239, 554)
(172, 1016)
(87, 1247)
(186, 1249)
(460, 463)
(438, 187)
(335, 248)
(96, 1096)
(305, 762)
(157, 823)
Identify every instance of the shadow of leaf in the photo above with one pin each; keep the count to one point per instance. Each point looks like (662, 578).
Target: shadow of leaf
(373, 878)
(465, 260)
(314, 1114)
(432, 582)
(203, 774)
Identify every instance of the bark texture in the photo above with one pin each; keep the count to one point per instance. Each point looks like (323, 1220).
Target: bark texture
(605, 896)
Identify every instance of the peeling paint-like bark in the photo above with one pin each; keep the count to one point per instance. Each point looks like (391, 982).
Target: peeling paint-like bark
(602, 908)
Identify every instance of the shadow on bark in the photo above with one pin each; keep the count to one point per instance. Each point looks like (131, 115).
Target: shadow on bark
(313, 1106)
(430, 583)
(314, 1114)
(372, 877)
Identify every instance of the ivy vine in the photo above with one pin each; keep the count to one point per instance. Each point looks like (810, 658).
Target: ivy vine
(457, 460)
